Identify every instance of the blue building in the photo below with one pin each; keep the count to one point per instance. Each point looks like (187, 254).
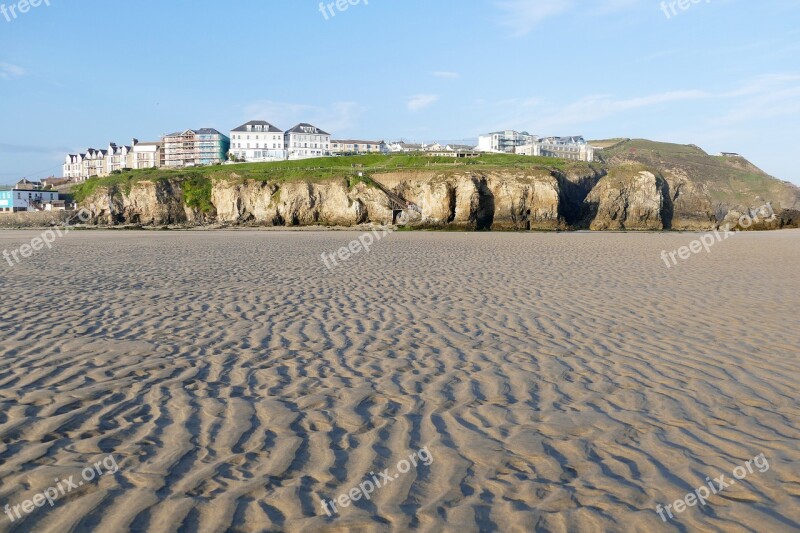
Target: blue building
(193, 148)
(26, 196)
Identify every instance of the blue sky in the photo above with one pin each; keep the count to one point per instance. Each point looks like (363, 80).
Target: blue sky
(722, 74)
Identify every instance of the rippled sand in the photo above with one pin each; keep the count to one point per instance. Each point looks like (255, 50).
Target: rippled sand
(562, 382)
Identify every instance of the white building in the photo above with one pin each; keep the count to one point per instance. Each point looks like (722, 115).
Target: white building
(94, 163)
(81, 167)
(147, 154)
(100, 163)
(504, 141)
(357, 147)
(404, 147)
(534, 149)
(118, 158)
(512, 142)
(305, 141)
(574, 148)
(26, 198)
(258, 141)
(73, 167)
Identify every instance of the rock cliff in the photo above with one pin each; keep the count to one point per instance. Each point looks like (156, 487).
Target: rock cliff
(628, 198)
(625, 195)
(467, 200)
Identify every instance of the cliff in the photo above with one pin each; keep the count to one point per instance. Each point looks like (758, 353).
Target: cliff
(640, 186)
(473, 200)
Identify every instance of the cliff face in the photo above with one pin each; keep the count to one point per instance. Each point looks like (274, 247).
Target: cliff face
(631, 196)
(626, 199)
(147, 203)
(330, 203)
(482, 200)
(688, 203)
(468, 200)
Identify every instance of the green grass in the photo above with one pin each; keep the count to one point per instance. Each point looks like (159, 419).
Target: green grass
(197, 193)
(317, 170)
(732, 181)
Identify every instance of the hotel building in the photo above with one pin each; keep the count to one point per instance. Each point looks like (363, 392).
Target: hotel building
(305, 141)
(258, 141)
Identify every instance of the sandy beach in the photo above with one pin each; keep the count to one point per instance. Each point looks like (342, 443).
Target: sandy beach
(558, 382)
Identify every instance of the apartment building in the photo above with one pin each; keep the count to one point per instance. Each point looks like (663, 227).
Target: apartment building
(305, 141)
(505, 141)
(354, 147)
(191, 148)
(258, 141)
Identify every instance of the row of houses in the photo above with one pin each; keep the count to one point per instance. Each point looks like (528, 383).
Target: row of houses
(188, 148)
(523, 143)
(29, 196)
(260, 141)
(255, 141)
(98, 163)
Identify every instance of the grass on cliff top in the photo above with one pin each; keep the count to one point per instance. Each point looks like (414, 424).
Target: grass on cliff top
(729, 180)
(323, 169)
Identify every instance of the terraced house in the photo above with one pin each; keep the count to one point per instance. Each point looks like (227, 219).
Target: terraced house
(353, 147)
(192, 148)
(99, 163)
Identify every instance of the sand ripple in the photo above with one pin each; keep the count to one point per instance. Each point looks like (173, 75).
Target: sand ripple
(561, 382)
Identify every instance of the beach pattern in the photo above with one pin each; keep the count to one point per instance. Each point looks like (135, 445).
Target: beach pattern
(562, 382)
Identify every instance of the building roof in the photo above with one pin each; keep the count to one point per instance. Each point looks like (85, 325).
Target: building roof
(576, 139)
(201, 131)
(301, 128)
(207, 131)
(349, 141)
(270, 128)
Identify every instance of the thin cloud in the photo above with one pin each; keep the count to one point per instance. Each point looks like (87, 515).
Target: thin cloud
(522, 16)
(31, 149)
(761, 99)
(421, 101)
(339, 116)
(9, 71)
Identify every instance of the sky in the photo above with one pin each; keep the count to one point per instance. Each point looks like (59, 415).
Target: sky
(721, 74)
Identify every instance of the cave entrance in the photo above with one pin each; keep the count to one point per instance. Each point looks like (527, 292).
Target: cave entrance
(484, 217)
